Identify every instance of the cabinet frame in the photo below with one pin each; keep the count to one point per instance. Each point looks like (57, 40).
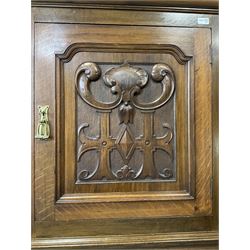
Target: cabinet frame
(198, 234)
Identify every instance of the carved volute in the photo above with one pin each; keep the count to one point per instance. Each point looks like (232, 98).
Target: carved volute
(126, 82)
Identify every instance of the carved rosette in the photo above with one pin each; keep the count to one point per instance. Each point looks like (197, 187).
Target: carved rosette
(126, 83)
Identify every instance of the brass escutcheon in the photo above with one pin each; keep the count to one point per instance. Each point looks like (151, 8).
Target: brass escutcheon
(43, 129)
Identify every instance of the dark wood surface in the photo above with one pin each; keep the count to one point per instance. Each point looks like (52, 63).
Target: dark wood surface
(208, 7)
(180, 241)
(152, 212)
(161, 3)
(89, 115)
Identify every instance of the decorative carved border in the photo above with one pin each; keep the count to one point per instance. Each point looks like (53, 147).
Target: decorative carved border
(66, 56)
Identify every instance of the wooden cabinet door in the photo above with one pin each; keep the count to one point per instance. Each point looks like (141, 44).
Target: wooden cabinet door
(130, 147)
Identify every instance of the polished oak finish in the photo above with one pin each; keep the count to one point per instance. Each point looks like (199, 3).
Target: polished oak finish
(126, 82)
(131, 160)
(180, 3)
(199, 6)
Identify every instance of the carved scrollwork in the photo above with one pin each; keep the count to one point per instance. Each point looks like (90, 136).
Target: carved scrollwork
(83, 138)
(126, 82)
(168, 136)
(86, 174)
(83, 175)
(160, 73)
(166, 173)
(85, 74)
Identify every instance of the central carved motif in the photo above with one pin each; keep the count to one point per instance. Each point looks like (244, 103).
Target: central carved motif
(125, 143)
(126, 83)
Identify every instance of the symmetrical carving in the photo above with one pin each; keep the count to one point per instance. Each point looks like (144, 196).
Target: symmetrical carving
(125, 143)
(126, 83)
(125, 172)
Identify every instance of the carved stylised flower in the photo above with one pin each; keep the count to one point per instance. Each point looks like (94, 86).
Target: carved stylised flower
(126, 113)
(125, 172)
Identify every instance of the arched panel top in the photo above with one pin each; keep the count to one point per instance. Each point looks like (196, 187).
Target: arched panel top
(171, 49)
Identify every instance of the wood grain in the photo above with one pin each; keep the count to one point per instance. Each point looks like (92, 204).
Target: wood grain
(197, 6)
(93, 227)
(44, 150)
(203, 123)
(180, 3)
(171, 37)
(99, 219)
(180, 99)
(145, 241)
(117, 17)
(215, 120)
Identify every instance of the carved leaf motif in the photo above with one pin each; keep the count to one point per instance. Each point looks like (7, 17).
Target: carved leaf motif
(126, 82)
(126, 113)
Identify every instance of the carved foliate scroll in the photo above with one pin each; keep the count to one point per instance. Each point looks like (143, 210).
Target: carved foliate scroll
(126, 83)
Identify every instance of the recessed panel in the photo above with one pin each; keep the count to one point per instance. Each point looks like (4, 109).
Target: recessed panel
(126, 121)
(127, 96)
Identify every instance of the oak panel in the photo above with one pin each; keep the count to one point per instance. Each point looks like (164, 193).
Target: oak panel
(139, 186)
(57, 39)
(62, 36)
(179, 3)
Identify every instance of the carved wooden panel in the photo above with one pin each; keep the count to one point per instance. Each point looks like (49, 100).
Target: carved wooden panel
(126, 82)
(127, 123)
(130, 150)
